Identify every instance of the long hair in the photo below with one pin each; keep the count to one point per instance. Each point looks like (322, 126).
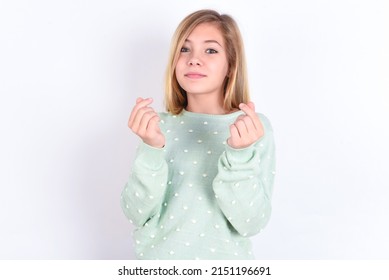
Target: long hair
(235, 85)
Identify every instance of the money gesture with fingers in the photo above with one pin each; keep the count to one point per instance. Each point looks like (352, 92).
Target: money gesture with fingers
(246, 129)
(144, 122)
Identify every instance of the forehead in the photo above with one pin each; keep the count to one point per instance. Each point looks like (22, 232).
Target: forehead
(206, 31)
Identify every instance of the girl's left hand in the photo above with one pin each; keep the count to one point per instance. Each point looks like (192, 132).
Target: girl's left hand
(247, 129)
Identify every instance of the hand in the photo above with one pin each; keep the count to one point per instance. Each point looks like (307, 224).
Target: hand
(144, 123)
(247, 129)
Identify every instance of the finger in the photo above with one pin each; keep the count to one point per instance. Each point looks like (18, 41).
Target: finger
(144, 122)
(153, 123)
(251, 105)
(137, 123)
(249, 110)
(140, 103)
(249, 125)
(234, 135)
(242, 129)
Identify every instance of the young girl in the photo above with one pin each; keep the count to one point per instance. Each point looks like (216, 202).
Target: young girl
(202, 179)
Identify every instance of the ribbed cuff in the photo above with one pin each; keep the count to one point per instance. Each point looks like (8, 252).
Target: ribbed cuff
(150, 157)
(240, 155)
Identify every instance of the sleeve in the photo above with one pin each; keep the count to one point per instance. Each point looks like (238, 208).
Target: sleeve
(244, 183)
(142, 196)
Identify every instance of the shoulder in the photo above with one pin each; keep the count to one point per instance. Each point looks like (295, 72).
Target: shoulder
(265, 122)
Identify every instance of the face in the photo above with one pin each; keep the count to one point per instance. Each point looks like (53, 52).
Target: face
(202, 64)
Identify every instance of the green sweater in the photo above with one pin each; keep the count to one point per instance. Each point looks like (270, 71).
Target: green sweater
(198, 198)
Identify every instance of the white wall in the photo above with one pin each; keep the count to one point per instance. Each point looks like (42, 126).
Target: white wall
(71, 70)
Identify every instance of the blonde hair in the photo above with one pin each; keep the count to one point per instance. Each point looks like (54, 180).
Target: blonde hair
(235, 85)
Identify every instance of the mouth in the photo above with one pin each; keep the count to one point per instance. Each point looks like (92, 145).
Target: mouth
(194, 75)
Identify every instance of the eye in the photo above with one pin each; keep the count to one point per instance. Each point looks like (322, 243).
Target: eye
(210, 51)
(184, 49)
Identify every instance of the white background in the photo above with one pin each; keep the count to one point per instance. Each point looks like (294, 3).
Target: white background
(70, 72)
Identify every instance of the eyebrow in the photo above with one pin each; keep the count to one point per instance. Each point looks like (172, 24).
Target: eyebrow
(206, 41)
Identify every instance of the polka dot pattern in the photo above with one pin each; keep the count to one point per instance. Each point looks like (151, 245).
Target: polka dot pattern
(209, 202)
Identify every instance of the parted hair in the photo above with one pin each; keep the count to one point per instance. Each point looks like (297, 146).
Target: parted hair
(235, 85)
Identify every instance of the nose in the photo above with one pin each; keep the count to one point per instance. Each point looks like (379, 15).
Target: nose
(194, 60)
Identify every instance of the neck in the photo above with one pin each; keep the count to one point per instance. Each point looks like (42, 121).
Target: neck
(205, 105)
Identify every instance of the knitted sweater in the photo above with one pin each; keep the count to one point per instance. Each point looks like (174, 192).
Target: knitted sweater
(198, 198)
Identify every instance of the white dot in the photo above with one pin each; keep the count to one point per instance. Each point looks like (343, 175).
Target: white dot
(205, 175)
(251, 177)
(165, 204)
(141, 254)
(152, 236)
(201, 234)
(205, 123)
(251, 203)
(176, 139)
(212, 250)
(146, 224)
(137, 241)
(171, 217)
(199, 141)
(185, 151)
(261, 145)
(209, 212)
(190, 185)
(162, 121)
(174, 116)
(263, 215)
(190, 130)
(255, 186)
(244, 234)
(171, 252)
(131, 222)
(200, 198)
(209, 152)
(168, 131)
(224, 142)
(161, 226)
(236, 185)
(136, 194)
(233, 202)
(182, 122)
(195, 162)
(139, 211)
(178, 229)
(169, 183)
(164, 238)
(152, 246)
(217, 226)
(153, 174)
(273, 172)
(187, 244)
(185, 207)
(182, 173)
(249, 252)
(127, 206)
(248, 221)
(215, 132)
(176, 194)
(151, 197)
(216, 196)
(229, 218)
(235, 254)
(194, 221)
(172, 160)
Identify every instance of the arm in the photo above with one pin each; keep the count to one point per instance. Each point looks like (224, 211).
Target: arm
(244, 183)
(146, 186)
(143, 194)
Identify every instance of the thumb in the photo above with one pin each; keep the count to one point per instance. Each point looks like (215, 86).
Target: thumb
(139, 99)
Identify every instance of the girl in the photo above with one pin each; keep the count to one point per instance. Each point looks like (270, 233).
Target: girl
(202, 179)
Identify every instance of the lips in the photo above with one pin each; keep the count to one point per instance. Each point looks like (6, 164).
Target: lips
(194, 75)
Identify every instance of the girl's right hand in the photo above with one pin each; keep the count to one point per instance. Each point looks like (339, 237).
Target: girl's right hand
(144, 123)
